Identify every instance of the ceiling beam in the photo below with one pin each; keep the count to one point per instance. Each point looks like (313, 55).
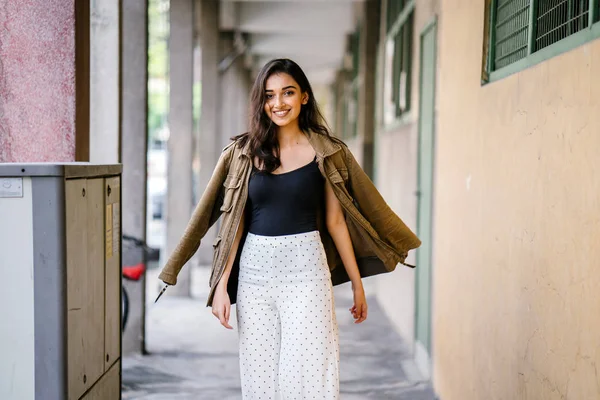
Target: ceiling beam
(311, 17)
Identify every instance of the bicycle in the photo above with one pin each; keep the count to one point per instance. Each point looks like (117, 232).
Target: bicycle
(134, 272)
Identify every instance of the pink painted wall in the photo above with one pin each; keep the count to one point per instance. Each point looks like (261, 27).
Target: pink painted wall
(37, 80)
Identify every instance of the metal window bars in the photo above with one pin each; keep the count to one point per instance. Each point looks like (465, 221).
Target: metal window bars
(521, 27)
(557, 19)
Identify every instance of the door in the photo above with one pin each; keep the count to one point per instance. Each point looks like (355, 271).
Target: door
(425, 196)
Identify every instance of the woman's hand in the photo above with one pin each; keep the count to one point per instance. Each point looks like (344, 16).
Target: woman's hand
(336, 225)
(222, 306)
(359, 310)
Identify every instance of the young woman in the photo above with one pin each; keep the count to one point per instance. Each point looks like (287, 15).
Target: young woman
(298, 216)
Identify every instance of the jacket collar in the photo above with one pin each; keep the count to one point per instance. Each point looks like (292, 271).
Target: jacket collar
(324, 146)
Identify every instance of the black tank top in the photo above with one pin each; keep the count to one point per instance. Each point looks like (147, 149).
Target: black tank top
(285, 204)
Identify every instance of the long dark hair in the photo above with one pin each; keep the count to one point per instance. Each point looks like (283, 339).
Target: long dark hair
(262, 132)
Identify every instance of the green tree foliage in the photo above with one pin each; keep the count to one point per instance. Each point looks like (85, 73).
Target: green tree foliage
(158, 62)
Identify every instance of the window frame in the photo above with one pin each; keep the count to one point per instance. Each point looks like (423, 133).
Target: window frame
(533, 57)
(389, 78)
(351, 86)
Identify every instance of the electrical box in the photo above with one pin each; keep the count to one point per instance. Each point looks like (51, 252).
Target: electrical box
(60, 271)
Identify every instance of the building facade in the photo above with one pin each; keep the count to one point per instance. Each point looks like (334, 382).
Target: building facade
(485, 139)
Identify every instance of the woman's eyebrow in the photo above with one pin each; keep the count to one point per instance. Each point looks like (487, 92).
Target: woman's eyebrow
(287, 87)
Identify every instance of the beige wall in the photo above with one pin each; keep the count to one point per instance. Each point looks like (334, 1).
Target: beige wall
(517, 223)
(396, 160)
(396, 178)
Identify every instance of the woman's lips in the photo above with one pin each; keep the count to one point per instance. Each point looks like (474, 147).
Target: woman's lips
(281, 113)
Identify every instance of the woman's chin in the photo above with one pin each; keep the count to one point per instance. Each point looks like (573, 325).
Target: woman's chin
(281, 123)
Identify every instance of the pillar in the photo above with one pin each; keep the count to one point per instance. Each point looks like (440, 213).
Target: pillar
(42, 71)
(338, 89)
(180, 144)
(209, 143)
(104, 80)
(369, 40)
(134, 59)
(235, 89)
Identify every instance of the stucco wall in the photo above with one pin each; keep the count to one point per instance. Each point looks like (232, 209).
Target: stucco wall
(37, 80)
(517, 227)
(396, 178)
(396, 160)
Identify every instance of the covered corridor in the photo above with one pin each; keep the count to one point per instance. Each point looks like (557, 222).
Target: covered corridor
(477, 121)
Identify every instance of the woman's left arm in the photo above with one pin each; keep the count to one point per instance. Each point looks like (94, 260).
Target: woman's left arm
(336, 225)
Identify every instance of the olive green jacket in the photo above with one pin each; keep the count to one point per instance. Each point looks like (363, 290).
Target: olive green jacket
(379, 237)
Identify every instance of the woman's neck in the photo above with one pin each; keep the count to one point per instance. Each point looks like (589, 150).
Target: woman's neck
(289, 135)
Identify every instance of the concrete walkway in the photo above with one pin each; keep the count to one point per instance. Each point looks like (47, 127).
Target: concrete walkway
(192, 357)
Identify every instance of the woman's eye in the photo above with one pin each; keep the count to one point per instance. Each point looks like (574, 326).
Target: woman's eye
(269, 96)
(289, 93)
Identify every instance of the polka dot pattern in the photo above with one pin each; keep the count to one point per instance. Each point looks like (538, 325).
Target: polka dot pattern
(288, 332)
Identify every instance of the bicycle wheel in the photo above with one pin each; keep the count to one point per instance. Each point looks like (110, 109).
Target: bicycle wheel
(124, 309)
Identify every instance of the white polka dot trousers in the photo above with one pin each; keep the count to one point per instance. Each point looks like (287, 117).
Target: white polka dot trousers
(289, 346)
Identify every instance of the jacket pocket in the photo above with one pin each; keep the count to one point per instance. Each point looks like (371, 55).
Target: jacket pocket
(231, 184)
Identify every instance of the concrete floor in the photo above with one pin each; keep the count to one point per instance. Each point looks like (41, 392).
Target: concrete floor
(193, 357)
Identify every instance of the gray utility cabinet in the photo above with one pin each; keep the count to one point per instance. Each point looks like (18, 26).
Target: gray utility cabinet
(60, 264)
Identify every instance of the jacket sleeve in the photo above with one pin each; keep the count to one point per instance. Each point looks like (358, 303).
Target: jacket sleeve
(386, 223)
(204, 216)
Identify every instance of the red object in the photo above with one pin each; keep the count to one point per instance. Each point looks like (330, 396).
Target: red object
(134, 272)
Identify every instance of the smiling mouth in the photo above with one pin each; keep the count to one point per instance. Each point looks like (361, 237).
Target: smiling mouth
(281, 113)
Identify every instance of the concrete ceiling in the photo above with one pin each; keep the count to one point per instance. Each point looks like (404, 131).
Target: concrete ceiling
(311, 32)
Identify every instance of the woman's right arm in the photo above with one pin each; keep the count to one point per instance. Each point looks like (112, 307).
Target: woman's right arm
(204, 216)
(221, 303)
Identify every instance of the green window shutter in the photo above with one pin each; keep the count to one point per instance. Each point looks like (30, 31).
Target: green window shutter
(394, 8)
(407, 51)
(511, 30)
(397, 65)
(397, 59)
(402, 63)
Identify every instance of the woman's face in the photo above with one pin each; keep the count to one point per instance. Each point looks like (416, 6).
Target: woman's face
(283, 99)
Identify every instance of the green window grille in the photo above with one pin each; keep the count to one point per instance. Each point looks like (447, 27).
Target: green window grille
(519, 28)
(398, 59)
(350, 90)
(402, 61)
(394, 8)
(557, 19)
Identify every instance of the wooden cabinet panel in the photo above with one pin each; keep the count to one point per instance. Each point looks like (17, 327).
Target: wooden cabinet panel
(85, 283)
(108, 387)
(112, 195)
